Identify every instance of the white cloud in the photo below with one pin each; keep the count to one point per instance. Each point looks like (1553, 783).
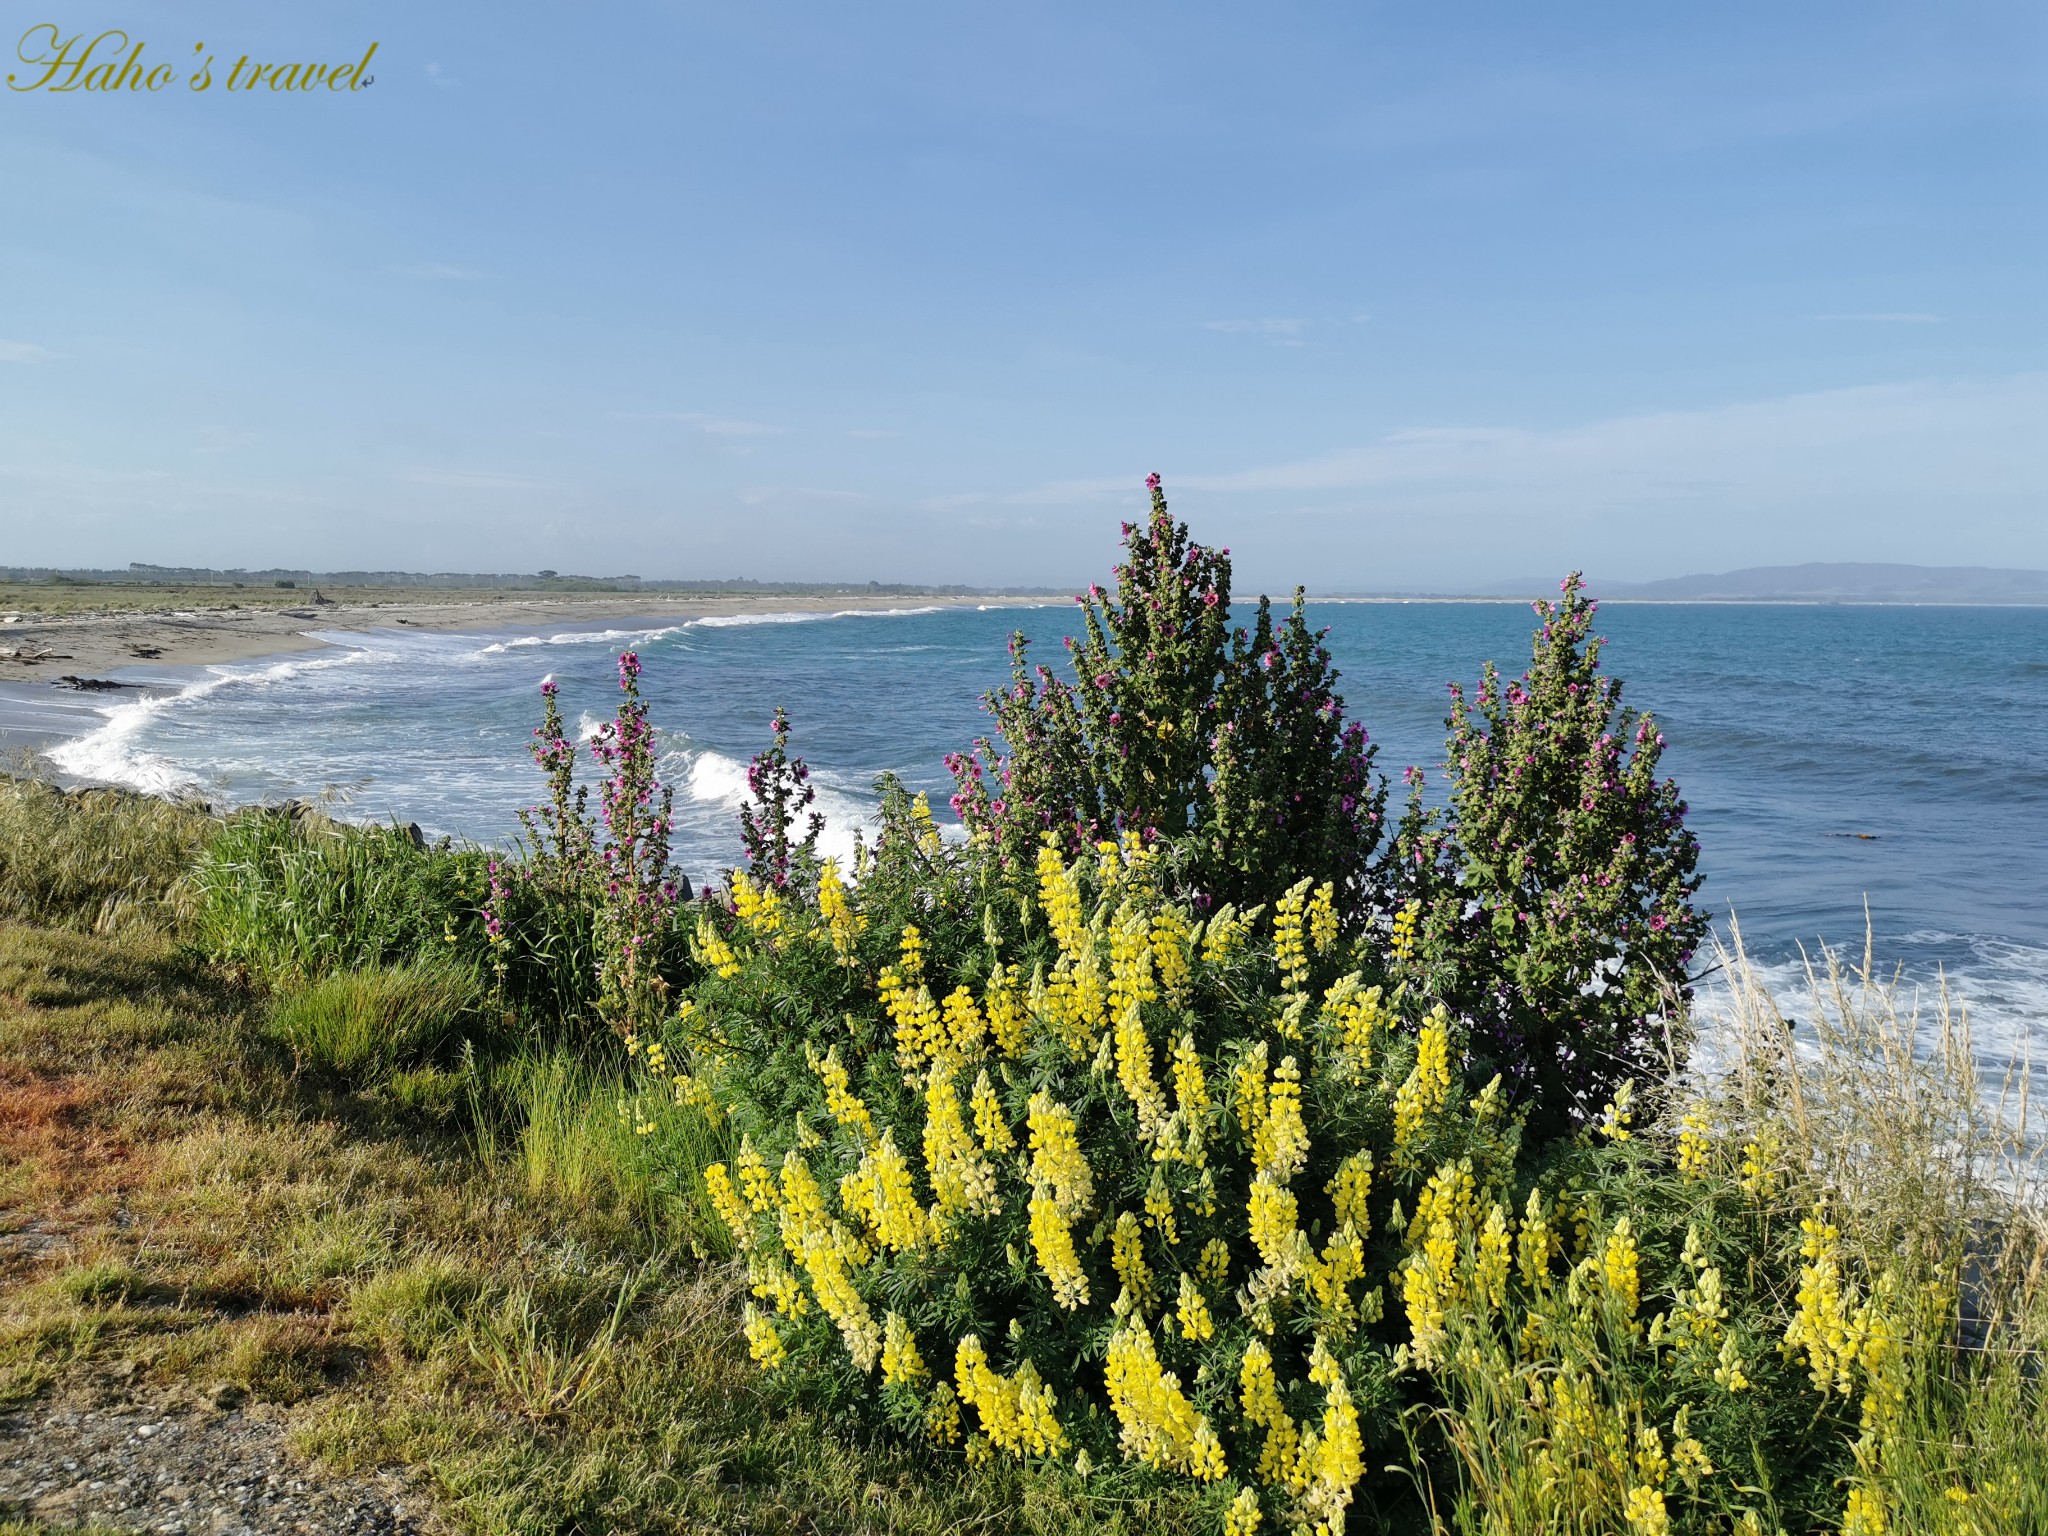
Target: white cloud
(24, 352)
(1886, 317)
(1281, 333)
(438, 272)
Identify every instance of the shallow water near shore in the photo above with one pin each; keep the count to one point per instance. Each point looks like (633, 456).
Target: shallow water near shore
(1832, 756)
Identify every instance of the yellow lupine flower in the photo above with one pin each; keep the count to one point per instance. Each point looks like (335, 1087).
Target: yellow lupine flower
(842, 922)
(880, 1192)
(711, 950)
(1760, 1164)
(841, 1101)
(1259, 1396)
(1334, 1460)
(756, 1182)
(1618, 1267)
(1428, 1088)
(1402, 940)
(1190, 1087)
(1159, 1209)
(923, 828)
(1280, 1144)
(758, 906)
(1058, 1166)
(1490, 1260)
(1272, 1212)
(965, 1031)
(1864, 1514)
(962, 1179)
(1059, 893)
(763, 1342)
(1127, 1258)
(1193, 1312)
(1006, 1014)
(1288, 951)
(1130, 960)
(1134, 1073)
(731, 1209)
(1249, 1079)
(1615, 1117)
(1243, 1517)
(1693, 1144)
(900, 1360)
(1159, 1426)
(1224, 934)
(989, 1122)
(1825, 1325)
(1171, 933)
(1322, 917)
(1053, 1241)
(1213, 1267)
(1355, 1015)
(942, 1414)
(771, 1282)
(1018, 1413)
(1645, 1512)
(1350, 1191)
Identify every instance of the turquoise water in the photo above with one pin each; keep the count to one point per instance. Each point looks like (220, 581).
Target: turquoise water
(1832, 756)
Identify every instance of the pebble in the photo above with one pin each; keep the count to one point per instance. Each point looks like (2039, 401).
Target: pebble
(183, 1471)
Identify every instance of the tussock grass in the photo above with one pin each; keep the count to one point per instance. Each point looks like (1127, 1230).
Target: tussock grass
(365, 1025)
(95, 859)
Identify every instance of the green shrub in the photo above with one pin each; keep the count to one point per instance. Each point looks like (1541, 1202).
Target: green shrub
(1231, 746)
(289, 894)
(364, 1025)
(1550, 904)
(93, 859)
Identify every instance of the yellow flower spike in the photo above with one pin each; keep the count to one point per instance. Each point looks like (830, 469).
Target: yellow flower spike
(1280, 1144)
(1350, 1191)
(763, 1342)
(1693, 1144)
(990, 1124)
(1007, 1015)
(881, 1194)
(1402, 940)
(841, 1101)
(756, 1182)
(901, 1363)
(1213, 1267)
(1322, 917)
(1288, 951)
(942, 1414)
(1645, 1512)
(1491, 1258)
(923, 828)
(1053, 1241)
(962, 1179)
(1018, 1413)
(966, 1033)
(1127, 1258)
(1728, 1373)
(1243, 1518)
(1272, 1213)
(1224, 934)
(1422, 1097)
(1249, 1079)
(1760, 1165)
(1059, 893)
(1059, 1169)
(1618, 1268)
(730, 1207)
(1192, 1312)
(1616, 1116)
(1171, 940)
(1159, 1426)
(1190, 1087)
(711, 950)
(1355, 1016)
(842, 922)
(1259, 1396)
(1159, 1209)
(1864, 1514)
(771, 1282)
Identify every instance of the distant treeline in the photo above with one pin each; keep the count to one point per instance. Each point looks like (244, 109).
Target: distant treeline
(141, 574)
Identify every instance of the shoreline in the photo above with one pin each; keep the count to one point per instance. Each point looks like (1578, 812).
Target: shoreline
(151, 652)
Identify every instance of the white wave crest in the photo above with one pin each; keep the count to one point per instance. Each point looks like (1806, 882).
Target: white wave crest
(109, 754)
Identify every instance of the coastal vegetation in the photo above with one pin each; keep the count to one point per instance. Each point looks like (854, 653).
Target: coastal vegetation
(1184, 1143)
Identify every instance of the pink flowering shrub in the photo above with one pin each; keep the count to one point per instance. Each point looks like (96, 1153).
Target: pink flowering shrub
(1550, 903)
(1229, 747)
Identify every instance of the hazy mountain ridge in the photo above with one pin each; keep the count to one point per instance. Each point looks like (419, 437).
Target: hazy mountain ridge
(1818, 581)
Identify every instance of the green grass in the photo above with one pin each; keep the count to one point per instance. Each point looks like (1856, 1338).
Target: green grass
(95, 859)
(367, 1025)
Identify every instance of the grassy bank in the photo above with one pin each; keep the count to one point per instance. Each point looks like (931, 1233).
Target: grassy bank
(269, 1129)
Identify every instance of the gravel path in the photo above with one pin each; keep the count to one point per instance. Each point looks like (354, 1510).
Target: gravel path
(182, 1469)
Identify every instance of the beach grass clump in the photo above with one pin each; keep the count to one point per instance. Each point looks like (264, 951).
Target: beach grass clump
(285, 895)
(95, 858)
(364, 1025)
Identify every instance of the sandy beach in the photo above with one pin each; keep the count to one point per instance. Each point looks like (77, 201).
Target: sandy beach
(49, 662)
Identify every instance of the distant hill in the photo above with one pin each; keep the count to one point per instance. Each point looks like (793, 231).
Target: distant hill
(1842, 582)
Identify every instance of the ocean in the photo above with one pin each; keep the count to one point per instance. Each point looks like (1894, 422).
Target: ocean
(1842, 763)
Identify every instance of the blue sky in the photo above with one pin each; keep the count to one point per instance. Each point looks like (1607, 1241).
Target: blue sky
(1394, 295)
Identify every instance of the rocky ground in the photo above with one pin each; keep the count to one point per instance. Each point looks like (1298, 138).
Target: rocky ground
(181, 1465)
